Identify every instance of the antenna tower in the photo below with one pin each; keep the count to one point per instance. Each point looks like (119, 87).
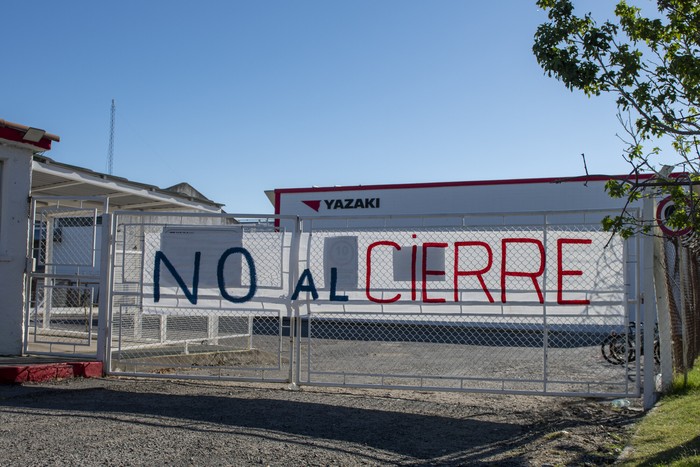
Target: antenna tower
(110, 152)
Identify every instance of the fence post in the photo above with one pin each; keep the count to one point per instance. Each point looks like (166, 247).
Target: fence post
(662, 305)
(294, 319)
(683, 304)
(648, 297)
(103, 325)
(29, 269)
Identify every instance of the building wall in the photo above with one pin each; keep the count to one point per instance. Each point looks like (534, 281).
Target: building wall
(474, 198)
(15, 186)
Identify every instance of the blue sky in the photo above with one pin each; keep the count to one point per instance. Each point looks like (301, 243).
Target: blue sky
(236, 97)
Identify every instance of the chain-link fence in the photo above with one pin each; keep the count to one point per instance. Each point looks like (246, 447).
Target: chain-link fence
(518, 303)
(681, 265)
(200, 296)
(507, 303)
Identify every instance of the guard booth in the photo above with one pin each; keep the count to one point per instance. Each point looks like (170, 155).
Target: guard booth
(18, 144)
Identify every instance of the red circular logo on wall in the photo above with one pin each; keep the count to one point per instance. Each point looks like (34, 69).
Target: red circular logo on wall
(664, 210)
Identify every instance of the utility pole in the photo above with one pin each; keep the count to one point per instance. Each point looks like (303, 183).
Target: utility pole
(110, 152)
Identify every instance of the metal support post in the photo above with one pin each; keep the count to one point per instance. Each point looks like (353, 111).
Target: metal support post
(105, 291)
(648, 302)
(664, 317)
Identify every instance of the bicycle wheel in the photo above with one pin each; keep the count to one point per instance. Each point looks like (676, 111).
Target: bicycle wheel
(612, 348)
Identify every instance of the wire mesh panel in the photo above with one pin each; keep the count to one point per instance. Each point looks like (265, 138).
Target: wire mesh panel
(517, 303)
(63, 284)
(201, 296)
(681, 277)
(510, 303)
(62, 312)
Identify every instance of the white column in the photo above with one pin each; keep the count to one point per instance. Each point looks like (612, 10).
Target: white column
(15, 187)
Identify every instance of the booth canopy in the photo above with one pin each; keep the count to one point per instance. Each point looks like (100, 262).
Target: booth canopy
(51, 178)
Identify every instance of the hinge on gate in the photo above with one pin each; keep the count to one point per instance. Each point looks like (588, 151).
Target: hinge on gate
(641, 298)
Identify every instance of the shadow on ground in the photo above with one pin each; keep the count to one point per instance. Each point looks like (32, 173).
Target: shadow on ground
(422, 438)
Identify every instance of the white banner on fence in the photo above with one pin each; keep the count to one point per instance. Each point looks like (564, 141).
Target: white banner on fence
(504, 269)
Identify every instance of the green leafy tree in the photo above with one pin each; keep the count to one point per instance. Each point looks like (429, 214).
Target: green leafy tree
(651, 62)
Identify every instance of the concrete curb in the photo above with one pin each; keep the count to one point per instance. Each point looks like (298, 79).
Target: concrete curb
(36, 373)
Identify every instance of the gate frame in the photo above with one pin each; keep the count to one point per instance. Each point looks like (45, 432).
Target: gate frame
(31, 274)
(645, 309)
(112, 219)
(643, 383)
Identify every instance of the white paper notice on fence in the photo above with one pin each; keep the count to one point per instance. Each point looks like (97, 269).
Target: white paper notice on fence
(179, 246)
(341, 253)
(406, 262)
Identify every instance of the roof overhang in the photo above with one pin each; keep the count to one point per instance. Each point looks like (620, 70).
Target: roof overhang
(51, 178)
(32, 138)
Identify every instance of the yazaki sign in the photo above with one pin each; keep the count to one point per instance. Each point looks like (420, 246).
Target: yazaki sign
(489, 196)
(333, 204)
(556, 268)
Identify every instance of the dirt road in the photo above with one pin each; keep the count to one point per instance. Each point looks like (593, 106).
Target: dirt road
(163, 422)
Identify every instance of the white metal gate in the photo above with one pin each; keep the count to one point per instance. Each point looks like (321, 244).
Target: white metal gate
(63, 280)
(515, 303)
(181, 296)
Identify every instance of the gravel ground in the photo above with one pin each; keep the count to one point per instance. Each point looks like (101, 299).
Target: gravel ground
(122, 421)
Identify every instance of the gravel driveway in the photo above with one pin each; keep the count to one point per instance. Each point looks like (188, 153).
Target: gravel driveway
(121, 421)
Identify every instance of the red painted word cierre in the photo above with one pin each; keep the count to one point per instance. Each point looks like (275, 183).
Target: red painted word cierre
(461, 248)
